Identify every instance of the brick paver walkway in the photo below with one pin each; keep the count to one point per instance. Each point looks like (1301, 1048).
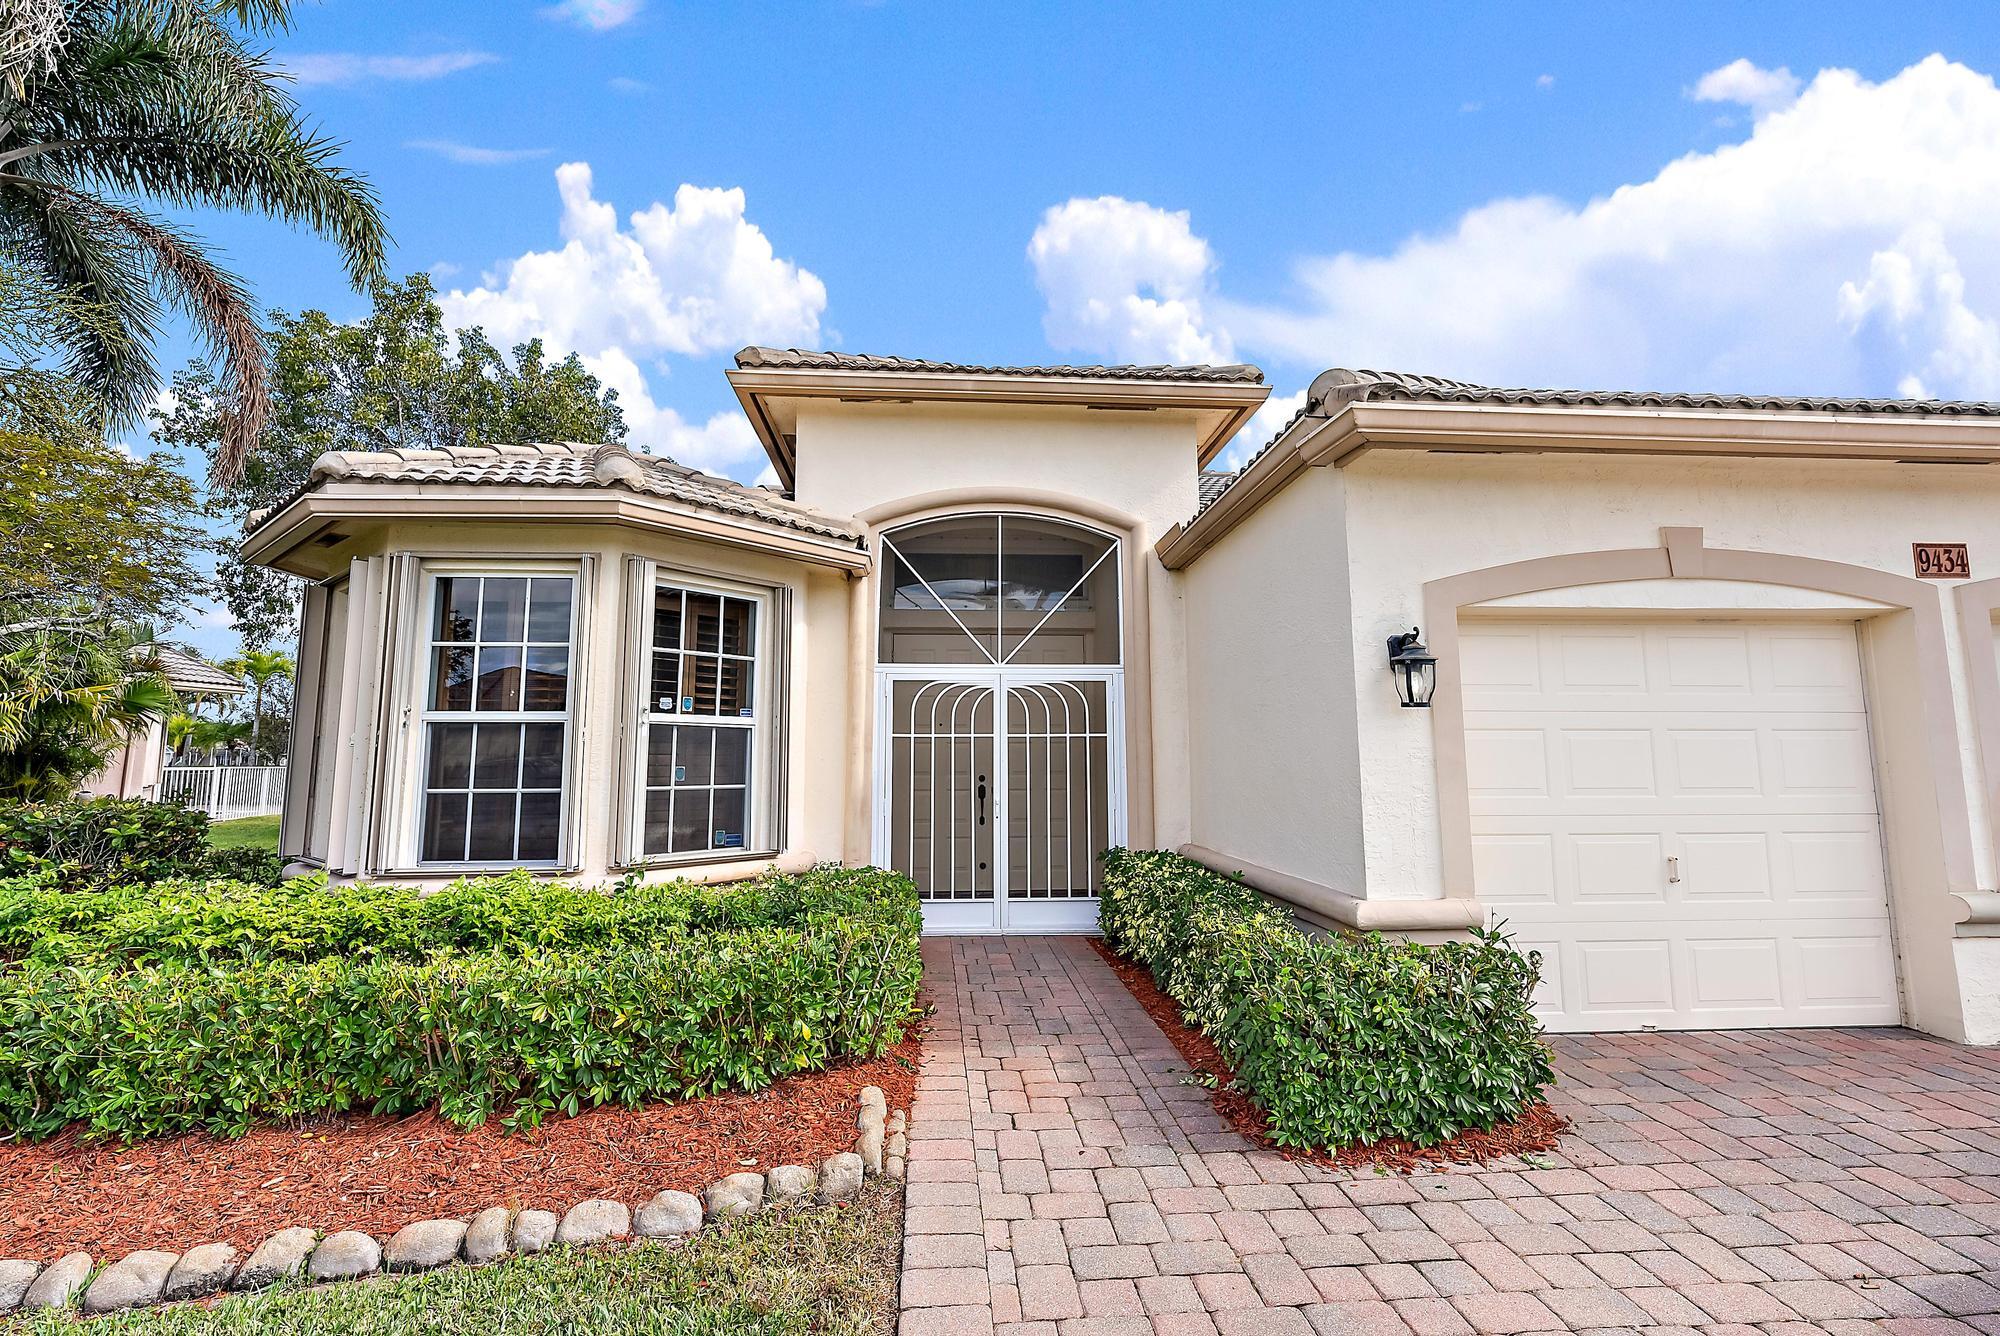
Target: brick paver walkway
(1064, 1182)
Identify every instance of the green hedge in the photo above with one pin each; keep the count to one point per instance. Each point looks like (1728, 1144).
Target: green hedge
(1339, 1039)
(83, 844)
(305, 918)
(684, 1008)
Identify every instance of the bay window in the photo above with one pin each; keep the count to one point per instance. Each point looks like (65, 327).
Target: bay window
(496, 718)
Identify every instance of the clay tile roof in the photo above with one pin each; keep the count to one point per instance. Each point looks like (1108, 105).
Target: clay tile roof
(806, 359)
(192, 676)
(571, 465)
(1335, 388)
(1213, 484)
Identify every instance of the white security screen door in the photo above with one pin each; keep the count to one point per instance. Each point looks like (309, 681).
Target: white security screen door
(999, 720)
(997, 792)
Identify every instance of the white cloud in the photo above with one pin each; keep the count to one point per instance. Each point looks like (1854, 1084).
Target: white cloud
(472, 154)
(1783, 263)
(214, 618)
(1748, 85)
(595, 14)
(350, 67)
(1124, 280)
(692, 277)
(1262, 428)
(1545, 81)
(630, 87)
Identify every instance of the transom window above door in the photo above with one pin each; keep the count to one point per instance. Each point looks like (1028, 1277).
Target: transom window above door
(999, 589)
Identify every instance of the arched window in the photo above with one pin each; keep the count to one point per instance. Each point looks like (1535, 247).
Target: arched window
(999, 589)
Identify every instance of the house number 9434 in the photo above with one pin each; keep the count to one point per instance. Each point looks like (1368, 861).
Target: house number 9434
(1942, 561)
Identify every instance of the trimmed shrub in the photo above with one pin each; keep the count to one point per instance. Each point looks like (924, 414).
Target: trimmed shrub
(691, 1007)
(103, 841)
(1339, 1039)
(305, 918)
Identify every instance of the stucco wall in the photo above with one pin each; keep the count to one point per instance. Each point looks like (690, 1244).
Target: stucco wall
(1275, 774)
(1477, 511)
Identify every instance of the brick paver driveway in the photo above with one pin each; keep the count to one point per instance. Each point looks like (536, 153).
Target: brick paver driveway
(1064, 1181)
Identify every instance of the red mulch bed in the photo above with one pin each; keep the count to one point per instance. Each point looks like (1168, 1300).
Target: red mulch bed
(1537, 1129)
(378, 1173)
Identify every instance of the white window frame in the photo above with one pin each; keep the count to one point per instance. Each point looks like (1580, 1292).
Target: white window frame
(421, 646)
(766, 728)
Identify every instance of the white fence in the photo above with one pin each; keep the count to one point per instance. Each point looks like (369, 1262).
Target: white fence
(225, 791)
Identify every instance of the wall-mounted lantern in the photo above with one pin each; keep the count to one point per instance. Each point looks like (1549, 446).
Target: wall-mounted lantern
(1415, 670)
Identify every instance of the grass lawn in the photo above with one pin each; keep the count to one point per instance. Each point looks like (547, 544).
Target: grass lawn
(249, 832)
(814, 1270)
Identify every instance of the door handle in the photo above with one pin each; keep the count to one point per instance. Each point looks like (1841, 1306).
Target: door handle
(1673, 868)
(982, 800)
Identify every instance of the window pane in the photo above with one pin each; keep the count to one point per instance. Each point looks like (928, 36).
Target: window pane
(541, 756)
(541, 827)
(659, 755)
(503, 608)
(739, 627)
(704, 621)
(659, 828)
(499, 678)
(492, 828)
(444, 828)
(732, 755)
(667, 683)
(940, 592)
(1043, 620)
(545, 683)
(457, 612)
(496, 757)
(690, 820)
(734, 698)
(730, 830)
(451, 756)
(694, 755)
(666, 619)
(698, 684)
(548, 609)
(451, 679)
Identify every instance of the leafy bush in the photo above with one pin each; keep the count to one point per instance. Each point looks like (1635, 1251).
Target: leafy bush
(1339, 1039)
(221, 922)
(258, 867)
(686, 997)
(103, 841)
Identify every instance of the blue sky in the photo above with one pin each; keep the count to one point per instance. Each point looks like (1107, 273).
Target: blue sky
(1788, 197)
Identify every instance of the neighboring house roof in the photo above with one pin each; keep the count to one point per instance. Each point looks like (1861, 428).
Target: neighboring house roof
(192, 676)
(1334, 389)
(1213, 484)
(807, 359)
(573, 465)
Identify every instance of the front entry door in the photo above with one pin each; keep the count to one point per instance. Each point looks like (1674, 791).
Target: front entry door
(997, 790)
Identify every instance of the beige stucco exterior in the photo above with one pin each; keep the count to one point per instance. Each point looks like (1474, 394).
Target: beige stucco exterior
(1261, 731)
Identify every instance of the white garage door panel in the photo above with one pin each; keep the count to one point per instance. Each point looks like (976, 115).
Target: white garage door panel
(1604, 759)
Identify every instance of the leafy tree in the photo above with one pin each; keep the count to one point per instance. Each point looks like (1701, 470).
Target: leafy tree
(69, 697)
(260, 668)
(395, 379)
(161, 100)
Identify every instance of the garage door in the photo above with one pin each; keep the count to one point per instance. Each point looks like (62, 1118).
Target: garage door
(1682, 817)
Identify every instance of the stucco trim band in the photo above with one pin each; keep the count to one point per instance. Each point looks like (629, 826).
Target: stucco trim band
(1349, 911)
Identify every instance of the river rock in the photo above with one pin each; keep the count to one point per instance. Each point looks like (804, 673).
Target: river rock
(200, 1272)
(840, 1177)
(738, 1194)
(486, 1236)
(669, 1215)
(15, 1277)
(133, 1281)
(595, 1221)
(424, 1245)
(534, 1231)
(57, 1286)
(348, 1255)
(277, 1258)
(869, 1147)
(789, 1181)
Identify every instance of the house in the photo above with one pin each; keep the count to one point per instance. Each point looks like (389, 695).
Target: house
(136, 768)
(1713, 722)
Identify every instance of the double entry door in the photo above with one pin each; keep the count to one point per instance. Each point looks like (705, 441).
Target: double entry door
(996, 789)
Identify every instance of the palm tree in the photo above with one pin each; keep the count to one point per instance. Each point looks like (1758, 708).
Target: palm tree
(69, 695)
(160, 100)
(260, 668)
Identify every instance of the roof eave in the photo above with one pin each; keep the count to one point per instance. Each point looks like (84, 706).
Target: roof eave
(1231, 402)
(1320, 440)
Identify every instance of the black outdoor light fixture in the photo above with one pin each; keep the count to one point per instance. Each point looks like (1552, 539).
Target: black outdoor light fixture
(1415, 669)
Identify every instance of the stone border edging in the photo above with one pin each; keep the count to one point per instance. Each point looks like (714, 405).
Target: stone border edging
(149, 1276)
